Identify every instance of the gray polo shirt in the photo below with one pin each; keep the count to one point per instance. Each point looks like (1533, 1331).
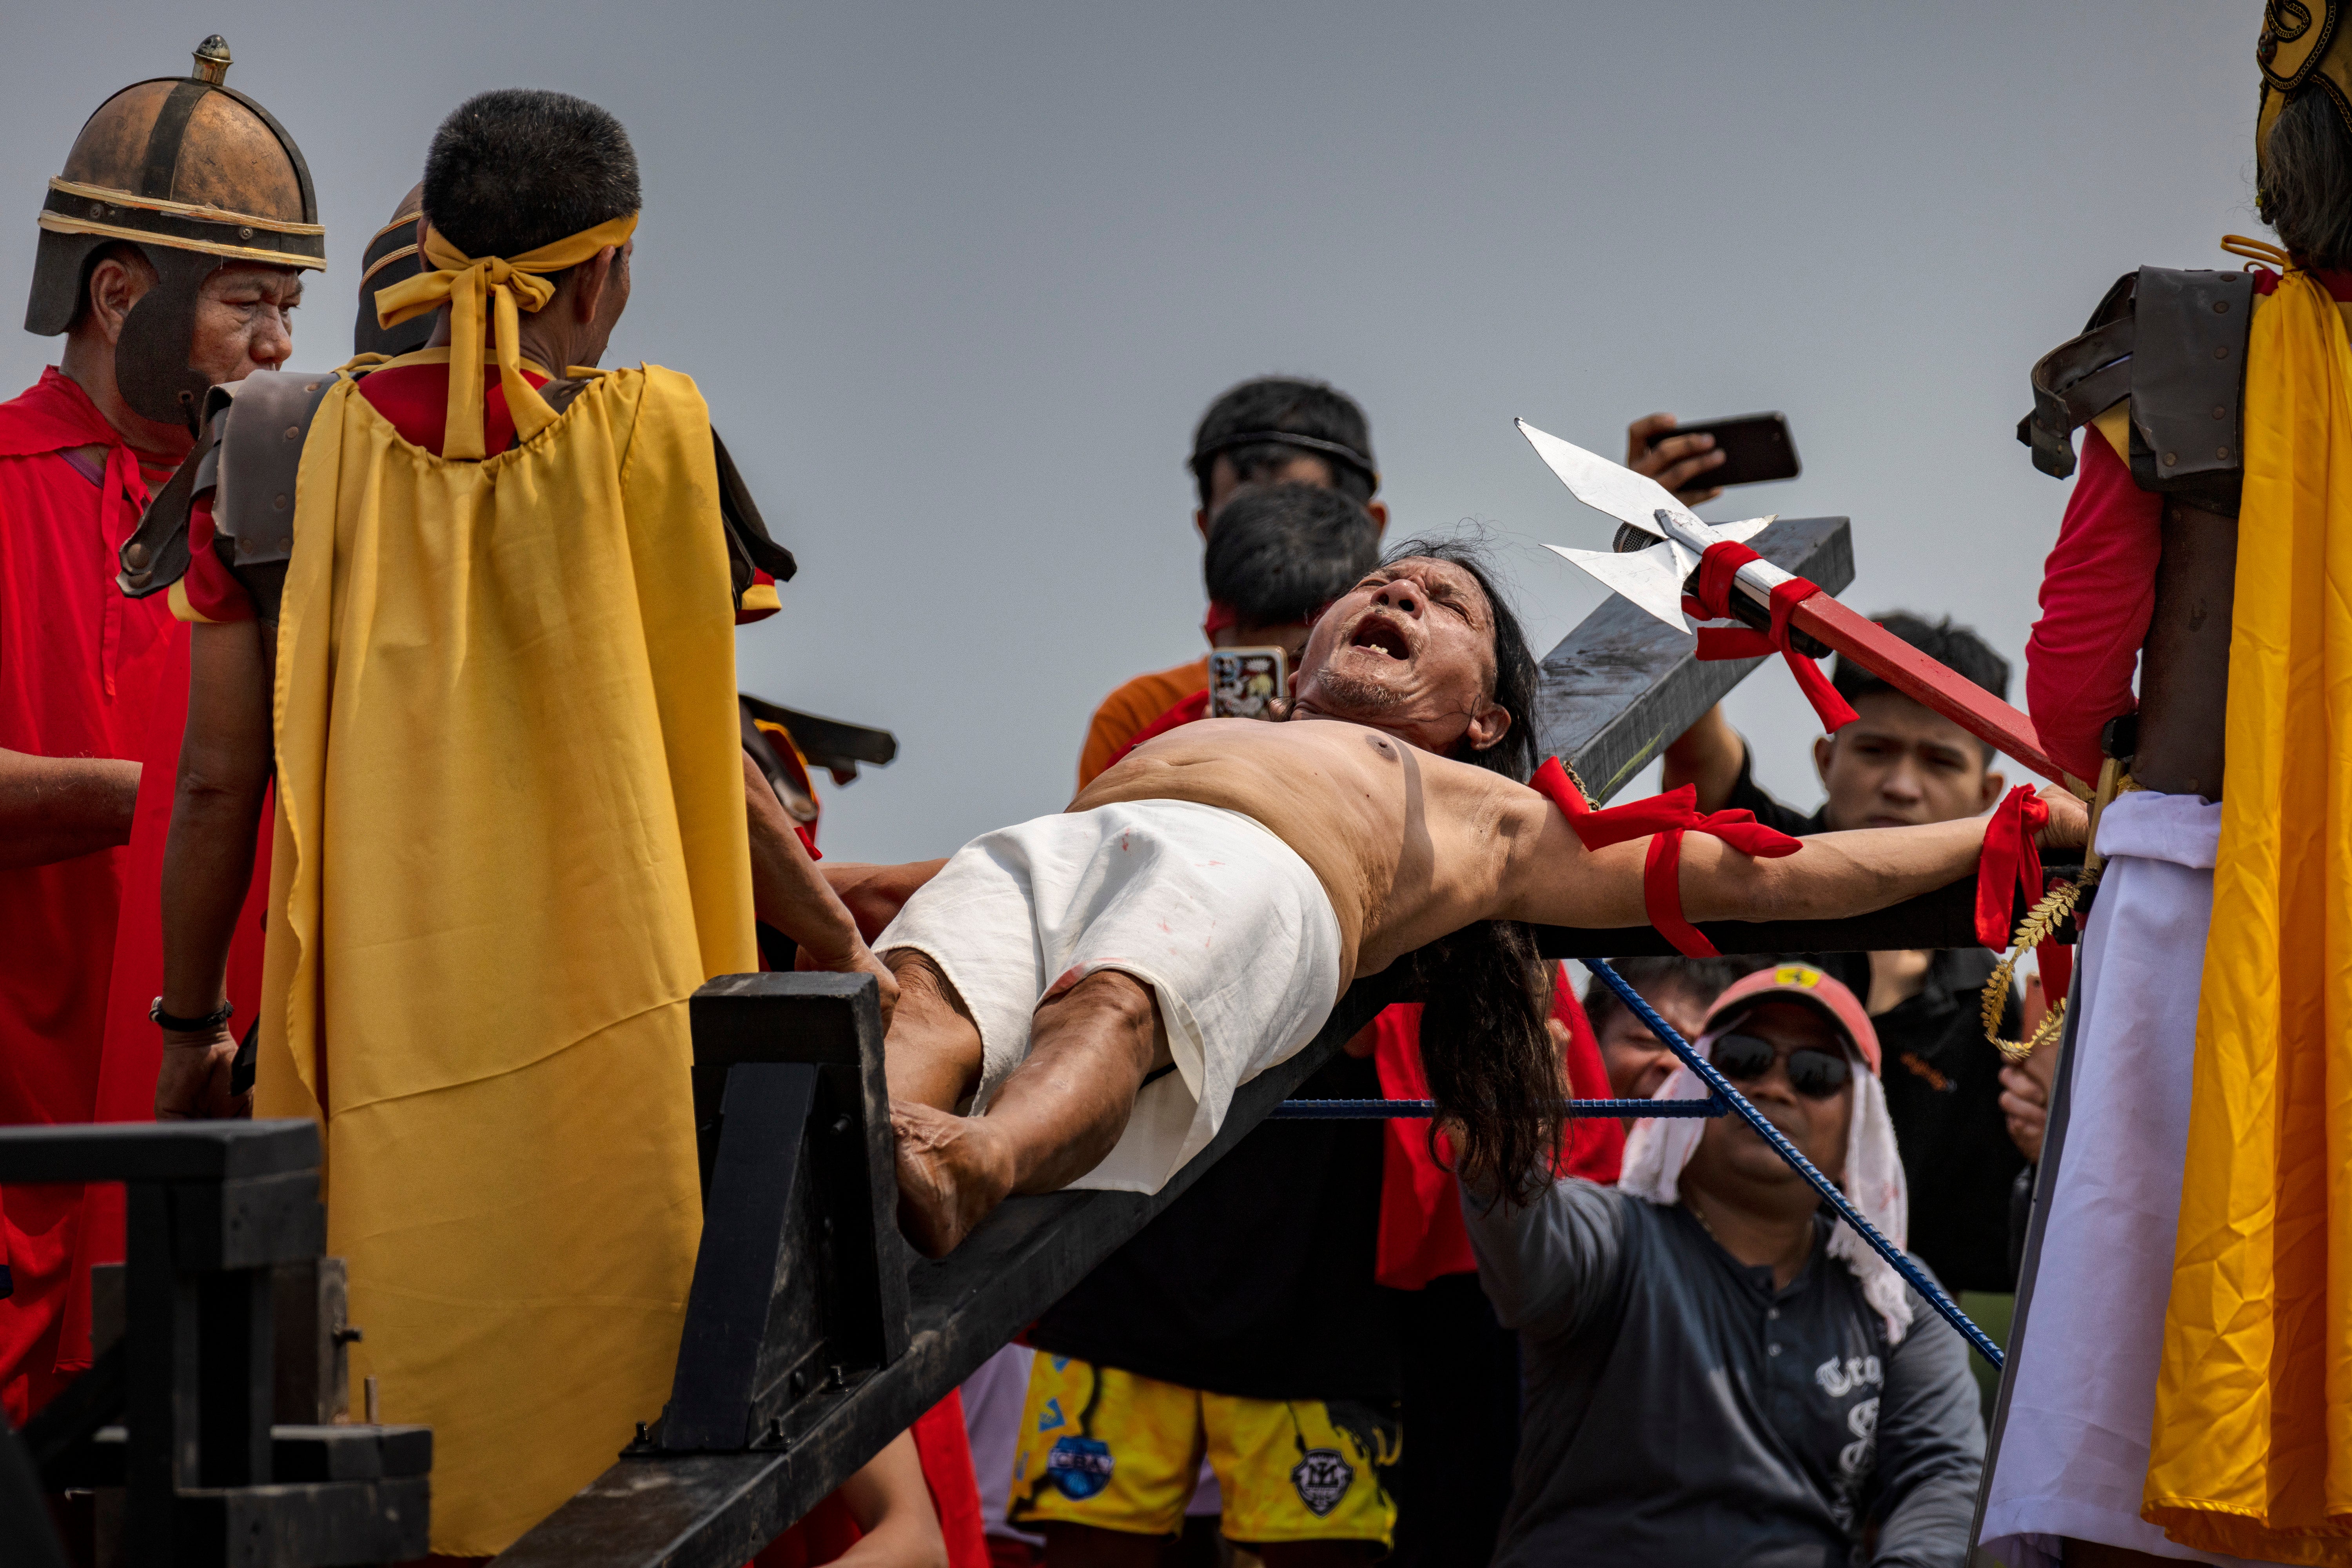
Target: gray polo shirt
(1680, 1410)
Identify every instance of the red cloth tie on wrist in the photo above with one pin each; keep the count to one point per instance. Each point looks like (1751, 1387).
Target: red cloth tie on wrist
(1717, 569)
(1667, 818)
(2010, 859)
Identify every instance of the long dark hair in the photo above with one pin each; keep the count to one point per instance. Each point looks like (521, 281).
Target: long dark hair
(1485, 991)
(2307, 182)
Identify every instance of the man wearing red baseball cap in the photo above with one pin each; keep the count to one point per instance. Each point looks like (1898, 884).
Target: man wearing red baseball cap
(1715, 1367)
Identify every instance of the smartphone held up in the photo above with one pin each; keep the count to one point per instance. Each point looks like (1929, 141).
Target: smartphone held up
(1244, 682)
(1756, 448)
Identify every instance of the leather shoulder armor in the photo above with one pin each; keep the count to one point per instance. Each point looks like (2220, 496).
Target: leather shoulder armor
(2174, 342)
(247, 453)
(253, 500)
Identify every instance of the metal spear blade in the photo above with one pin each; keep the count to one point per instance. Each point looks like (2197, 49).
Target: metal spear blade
(1646, 577)
(1653, 578)
(1604, 486)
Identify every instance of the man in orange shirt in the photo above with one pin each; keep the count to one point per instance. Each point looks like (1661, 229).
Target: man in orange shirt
(1275, 430)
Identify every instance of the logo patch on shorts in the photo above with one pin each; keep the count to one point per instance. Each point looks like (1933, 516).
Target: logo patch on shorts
(1322, 1478)
(1081, 1466)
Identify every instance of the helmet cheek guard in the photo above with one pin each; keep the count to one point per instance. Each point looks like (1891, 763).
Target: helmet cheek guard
(150, 357)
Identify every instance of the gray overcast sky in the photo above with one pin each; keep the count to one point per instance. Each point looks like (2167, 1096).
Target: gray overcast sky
(959, 279)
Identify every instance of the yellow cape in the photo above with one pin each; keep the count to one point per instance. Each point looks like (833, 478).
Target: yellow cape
(510, 844)
(2251, 1449)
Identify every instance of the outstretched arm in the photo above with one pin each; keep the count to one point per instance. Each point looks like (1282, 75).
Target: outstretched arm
(1708, 755)
(891, 1501)
(224, 760)
(1835, 875)
(792, 895)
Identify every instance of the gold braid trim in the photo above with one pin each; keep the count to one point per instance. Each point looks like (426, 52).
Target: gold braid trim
(1590, 799)
(2039, 921)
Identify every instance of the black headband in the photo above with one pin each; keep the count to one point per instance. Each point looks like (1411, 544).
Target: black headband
(1340, 450)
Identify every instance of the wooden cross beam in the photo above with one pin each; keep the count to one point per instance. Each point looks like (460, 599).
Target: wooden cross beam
(782, 1393)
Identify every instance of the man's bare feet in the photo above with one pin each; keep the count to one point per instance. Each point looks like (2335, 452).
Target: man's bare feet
(952, 1173)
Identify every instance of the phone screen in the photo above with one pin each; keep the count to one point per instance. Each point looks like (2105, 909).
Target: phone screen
(1243, 682)
(1756, 448)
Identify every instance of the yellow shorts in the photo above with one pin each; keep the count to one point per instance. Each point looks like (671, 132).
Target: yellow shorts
(1108, 1448)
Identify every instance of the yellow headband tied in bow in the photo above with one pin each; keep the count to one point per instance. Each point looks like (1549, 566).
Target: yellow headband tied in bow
(512, 284)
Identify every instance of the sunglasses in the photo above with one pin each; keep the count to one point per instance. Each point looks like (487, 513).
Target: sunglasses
(1815, 1074)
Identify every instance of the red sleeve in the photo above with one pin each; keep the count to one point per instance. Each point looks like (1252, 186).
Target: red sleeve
(2098, 589)
(945, 1448)
(210, 589)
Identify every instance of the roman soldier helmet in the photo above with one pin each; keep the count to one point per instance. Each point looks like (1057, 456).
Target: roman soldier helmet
(2304, 47)
(392, 256)
(194, 175)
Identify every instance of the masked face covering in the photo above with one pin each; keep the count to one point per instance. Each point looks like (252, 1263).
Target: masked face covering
(1656, 1152)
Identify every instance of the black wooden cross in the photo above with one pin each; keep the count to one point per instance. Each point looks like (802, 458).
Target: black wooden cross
(787, 1381)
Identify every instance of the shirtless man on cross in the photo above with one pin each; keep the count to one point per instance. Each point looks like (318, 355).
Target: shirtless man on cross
(1080, 995)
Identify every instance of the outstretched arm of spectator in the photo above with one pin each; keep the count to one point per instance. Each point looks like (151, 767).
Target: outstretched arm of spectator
(1709, 754)
(225, 762)
(875, 894)
(792, 895)
(1931, 1447)
(1548, 1263)
(892, 1504)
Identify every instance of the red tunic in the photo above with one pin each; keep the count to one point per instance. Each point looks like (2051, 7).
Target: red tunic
(81, 670)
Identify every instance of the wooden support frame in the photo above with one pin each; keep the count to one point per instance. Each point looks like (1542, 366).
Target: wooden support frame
(800, 1284)
(713, 1509)
(208, 1475)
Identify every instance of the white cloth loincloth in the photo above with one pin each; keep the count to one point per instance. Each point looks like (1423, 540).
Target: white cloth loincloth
(2082, 1405)
(1228, 926)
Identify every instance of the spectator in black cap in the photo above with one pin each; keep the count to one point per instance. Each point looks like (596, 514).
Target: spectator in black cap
(1969, 1125)
(1274, 430)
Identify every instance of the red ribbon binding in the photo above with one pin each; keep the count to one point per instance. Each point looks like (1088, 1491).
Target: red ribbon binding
(1717, 568)
(1667, 817)
(2010, 859)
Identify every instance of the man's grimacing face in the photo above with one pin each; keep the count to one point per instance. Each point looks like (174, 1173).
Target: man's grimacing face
(1410, 650)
